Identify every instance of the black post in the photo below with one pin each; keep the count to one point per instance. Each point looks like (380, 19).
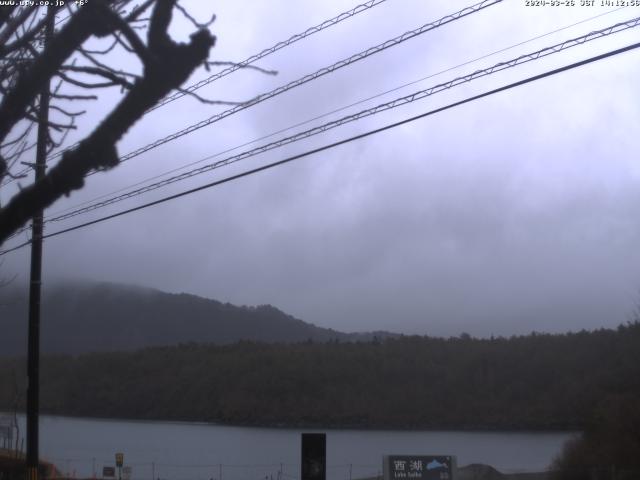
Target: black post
(33, 352)
(314, 456)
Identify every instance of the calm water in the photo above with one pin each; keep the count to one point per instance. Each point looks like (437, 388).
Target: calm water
(175, 451)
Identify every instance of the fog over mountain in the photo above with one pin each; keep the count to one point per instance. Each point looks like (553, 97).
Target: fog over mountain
(89, 317)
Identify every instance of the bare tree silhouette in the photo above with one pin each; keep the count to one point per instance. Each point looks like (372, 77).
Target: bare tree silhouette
(74, 72)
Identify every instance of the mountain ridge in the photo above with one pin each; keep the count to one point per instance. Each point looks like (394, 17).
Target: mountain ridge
(101, 316)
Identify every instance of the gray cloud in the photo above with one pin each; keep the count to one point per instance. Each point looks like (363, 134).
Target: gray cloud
(515, 213)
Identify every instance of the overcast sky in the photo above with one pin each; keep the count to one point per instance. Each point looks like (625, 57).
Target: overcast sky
(514, 213)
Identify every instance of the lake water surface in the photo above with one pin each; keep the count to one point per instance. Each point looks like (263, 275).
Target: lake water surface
(175, 451)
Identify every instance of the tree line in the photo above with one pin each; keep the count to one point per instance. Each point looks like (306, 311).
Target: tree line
(538, 381)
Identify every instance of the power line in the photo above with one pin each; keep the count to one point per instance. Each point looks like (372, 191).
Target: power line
(377, 109)
(419, 95)
(318, 117)
(255, 57)
(268, 51)
(303, 80)
(313, 76)
(344, 141)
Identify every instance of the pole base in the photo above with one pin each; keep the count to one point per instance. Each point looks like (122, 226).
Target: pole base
(32, 473)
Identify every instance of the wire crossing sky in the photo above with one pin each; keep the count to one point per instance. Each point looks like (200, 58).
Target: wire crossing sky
(268, 51)
(301, 81)
(313, 76)
(326, 114)
(342, 142)
(419, 95)
(254, 58)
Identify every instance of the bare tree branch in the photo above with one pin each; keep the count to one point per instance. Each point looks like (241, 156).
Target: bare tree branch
(66, 112)
(193, 21)
(18, 139)
(206, 100)
(248, 67)
(123, 44)
(101, 52)
(28, 36)
(54, 125)
(133, 39)
(167, 66)
(74, 97)
(14, 23)
(99, 64)
(5, 13)
(79, 28)
(87, 85)
(110, 75)
(139, 10)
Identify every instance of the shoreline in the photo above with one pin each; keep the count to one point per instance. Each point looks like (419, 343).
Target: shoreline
(312, 426)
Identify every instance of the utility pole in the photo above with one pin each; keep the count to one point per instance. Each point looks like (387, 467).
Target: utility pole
(33, 352)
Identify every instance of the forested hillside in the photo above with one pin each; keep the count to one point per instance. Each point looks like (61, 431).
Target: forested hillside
(536, 381)
(91, 317)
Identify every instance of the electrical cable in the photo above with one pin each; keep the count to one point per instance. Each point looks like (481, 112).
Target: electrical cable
(340, 109)
(268, 51)
(377, 109)
(312, 76)
(255, 57)
(344, 141)
(419, 95)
